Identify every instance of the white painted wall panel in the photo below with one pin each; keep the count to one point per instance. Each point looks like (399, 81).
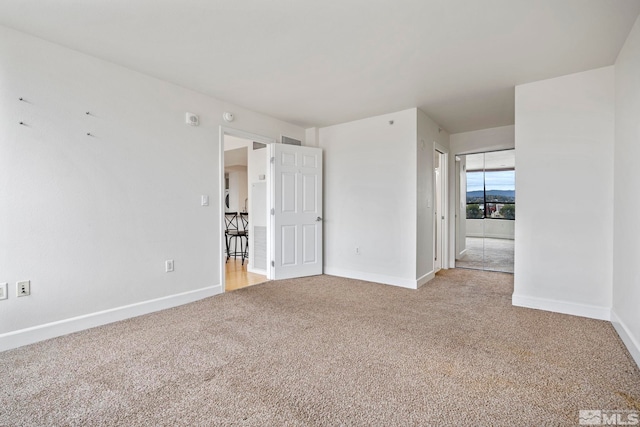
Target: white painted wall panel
(626, 252)
(564, 164)
(91, 220)
(429, 134)
(370, 198)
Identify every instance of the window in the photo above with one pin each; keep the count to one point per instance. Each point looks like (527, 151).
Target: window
(491, 194)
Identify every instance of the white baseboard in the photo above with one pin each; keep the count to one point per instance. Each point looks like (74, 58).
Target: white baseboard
(424, 279)
(492, 236)
(370, 277)
(256, 270)
(34, 334)
(575, 309)
(627, 337)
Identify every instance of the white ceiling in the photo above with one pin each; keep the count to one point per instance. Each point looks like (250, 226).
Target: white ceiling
(316, 63)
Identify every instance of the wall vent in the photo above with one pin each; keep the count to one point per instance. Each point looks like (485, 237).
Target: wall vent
(290, 141)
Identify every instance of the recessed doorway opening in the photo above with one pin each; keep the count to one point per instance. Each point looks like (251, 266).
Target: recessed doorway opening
(244, 225)
(485, 230)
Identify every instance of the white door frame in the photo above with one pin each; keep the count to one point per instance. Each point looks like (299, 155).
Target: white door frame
(224, 130)
(444, 191)
(459, 208)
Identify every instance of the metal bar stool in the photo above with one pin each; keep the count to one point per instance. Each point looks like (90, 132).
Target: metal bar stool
(232, 233)
(244, 224)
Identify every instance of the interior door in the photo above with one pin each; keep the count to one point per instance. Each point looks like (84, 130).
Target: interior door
(461, 216)
(438, 212)
(296, 211)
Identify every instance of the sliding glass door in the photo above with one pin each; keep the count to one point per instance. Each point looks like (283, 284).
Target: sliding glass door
(486, 210)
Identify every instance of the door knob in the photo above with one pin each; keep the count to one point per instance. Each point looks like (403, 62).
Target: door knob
(319, 219)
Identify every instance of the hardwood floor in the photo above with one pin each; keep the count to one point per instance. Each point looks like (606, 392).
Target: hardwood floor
(237, 276)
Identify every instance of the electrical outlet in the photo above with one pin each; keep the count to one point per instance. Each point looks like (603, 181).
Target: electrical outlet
(358, 250)
(23, 288)
(168, 266)
(3, 291)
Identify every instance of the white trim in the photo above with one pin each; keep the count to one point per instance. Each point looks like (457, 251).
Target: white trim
(46, 331)
(444, 262)
(256, 270)
(246, 135)
(461, 254)
(370, 277)
(627, 337)
(446, 243)
(271, 224)
(222, 225)
(492, 236)
(426, 278)
(564, 307)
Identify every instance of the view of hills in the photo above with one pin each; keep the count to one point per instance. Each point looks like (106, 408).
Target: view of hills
(504, 193)
(504, 196)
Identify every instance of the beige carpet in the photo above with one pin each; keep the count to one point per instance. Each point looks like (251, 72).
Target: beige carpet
(328, 351)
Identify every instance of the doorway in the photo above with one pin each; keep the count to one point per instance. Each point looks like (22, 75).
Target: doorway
(486, 200)
(244, 209)
(440, 176)
(284, 209)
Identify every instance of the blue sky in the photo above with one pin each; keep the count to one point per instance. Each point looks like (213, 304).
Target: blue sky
(503, 180)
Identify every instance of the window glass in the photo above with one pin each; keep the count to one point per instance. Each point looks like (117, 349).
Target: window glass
(491, 194)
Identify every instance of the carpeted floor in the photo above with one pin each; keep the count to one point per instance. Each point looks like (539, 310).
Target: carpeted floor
(328, 351)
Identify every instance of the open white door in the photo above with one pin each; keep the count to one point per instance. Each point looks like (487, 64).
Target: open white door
(437, 212)
(296, 211)
(440, 226)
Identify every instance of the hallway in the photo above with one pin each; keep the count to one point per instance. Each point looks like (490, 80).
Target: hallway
(237, 276)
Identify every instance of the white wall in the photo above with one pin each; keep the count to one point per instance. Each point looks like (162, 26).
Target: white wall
(238, 188)
(257, 172)
(370, 198)
(312, 137)
(429, 135)
(626, 252)
(378, 192)
(91, 220)
(236, 156)
(564, 163)
(480, 141)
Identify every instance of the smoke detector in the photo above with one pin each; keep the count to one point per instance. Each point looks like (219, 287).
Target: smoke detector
(192, 119)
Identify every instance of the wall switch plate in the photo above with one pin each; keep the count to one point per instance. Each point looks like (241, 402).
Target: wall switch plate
(23, 288)
(168, 266)
(3, 291)
(204, 200)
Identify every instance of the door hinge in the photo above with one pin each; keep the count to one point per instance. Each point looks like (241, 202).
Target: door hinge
(273, 211)
(273, 263)
(273, 160)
